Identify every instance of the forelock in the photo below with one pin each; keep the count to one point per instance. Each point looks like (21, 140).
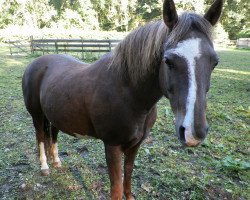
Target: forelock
(185, 22)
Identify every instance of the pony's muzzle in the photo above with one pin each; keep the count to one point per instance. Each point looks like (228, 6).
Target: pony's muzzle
(186, 136)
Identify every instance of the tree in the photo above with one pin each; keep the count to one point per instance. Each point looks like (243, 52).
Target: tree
(9, 13)
(149, 10)
(235, 16)
(75, 13)
(120, 15)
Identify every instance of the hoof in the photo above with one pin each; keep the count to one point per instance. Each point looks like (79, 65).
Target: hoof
(57, 164)
(130, 197)
(45, 172)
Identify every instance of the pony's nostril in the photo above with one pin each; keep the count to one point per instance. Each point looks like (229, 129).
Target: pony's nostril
(182, 134)
(207, 129)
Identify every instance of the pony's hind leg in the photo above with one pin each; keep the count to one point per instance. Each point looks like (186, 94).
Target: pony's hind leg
(54, 147)
(41, 136)
(43, 159)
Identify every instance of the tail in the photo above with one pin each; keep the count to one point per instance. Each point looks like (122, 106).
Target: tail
(47, 137)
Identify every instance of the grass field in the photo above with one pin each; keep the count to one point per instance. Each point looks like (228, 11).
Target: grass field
(218, 169)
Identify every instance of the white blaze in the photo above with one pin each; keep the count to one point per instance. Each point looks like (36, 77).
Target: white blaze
(189, 50)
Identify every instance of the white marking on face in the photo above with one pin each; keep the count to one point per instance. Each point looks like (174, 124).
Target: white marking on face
(189, 50)
(43, 158)
(190, 140)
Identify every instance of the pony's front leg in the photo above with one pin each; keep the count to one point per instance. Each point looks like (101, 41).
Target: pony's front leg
(114, 162)
(130, 155)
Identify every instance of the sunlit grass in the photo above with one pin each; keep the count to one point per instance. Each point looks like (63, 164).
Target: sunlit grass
(233, 71)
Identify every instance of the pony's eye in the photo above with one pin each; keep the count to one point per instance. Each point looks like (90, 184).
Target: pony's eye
(170, 90)
(169, 64)
(216, 62)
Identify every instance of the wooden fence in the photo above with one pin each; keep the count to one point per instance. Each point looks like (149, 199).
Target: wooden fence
(72, 45)
(78, 45)
(243, 43)
(19, 47)
(61, 46)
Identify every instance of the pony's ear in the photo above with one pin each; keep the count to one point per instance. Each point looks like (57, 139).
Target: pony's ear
(213, 13)
(170, 16)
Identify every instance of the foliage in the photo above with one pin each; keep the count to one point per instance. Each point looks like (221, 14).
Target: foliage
(11, 33)
(76, 13)
(244, 33)
(121, 15)
(148, 10)
(9, 13)
(235, 165)
(116, 15)
(236, 17)
(220, 35)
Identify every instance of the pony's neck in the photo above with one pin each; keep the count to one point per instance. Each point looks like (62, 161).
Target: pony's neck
(147, 93)
(137, 55)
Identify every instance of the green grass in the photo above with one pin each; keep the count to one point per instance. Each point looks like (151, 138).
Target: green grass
(218, 169)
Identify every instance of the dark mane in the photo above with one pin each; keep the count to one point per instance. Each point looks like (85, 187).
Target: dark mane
(141, 51)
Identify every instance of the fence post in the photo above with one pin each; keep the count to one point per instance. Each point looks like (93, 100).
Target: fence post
(56, 46)
(109, 45)
(42, 46)
(31, 44)
(82, 50)
(65, 44)
(10, 48)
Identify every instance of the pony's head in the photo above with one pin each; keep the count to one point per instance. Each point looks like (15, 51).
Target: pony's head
(188, 61)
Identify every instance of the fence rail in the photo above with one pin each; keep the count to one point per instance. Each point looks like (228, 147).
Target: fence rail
(19, 46)
(61, 45)
(80, 45)
(72, 45)
(243, 43)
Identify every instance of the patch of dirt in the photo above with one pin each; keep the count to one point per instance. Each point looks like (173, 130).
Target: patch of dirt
(214, 193)
(11, 145)
(63, 154)
(102, 168)
(26, 192)
(154, 172)
(21, 166)
(149, 140)
(83, 151)
(98, 187)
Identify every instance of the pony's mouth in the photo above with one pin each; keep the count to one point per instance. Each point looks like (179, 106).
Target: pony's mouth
(186, 138)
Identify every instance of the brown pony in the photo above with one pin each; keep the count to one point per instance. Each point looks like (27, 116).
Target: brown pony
(114, 99)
